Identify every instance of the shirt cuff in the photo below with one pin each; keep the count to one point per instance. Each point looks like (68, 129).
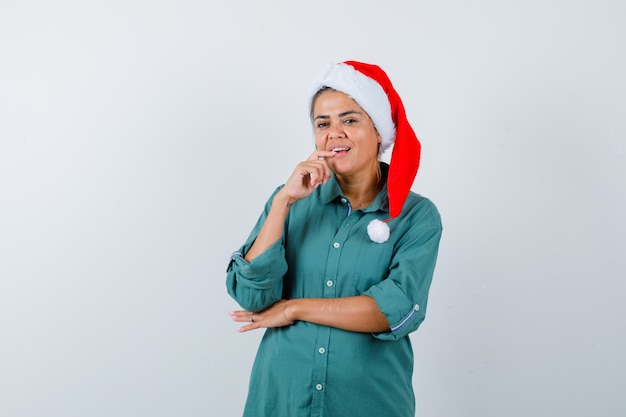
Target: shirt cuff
(263, 271)
(404, 315)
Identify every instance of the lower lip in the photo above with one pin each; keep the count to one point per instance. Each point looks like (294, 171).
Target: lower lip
(340, 154)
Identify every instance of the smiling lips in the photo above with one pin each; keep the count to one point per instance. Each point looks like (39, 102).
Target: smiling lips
(338, 150)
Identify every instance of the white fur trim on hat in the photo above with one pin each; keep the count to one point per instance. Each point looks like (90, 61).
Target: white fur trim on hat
(365, 91)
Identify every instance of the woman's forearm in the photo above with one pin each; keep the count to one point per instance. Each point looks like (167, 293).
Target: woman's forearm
(356, 314)
(272, 229)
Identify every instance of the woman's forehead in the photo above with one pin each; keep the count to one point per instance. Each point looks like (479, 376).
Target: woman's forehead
(334, 101)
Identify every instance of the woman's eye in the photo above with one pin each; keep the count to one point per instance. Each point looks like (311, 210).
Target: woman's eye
(349, 121)
(321, 125)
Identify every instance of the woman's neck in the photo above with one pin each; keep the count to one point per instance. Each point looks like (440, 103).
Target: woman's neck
(361, 190)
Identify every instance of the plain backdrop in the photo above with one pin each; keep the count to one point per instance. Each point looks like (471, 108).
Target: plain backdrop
(140, 139)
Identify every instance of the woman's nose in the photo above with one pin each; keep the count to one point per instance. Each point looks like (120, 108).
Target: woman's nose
(336, 132)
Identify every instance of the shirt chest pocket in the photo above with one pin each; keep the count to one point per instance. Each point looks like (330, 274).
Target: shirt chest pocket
(371, 264)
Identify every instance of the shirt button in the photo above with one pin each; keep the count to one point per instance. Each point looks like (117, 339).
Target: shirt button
(319, 387)
(344, 201)
(336, 245)
(329, 283)
(322, 350)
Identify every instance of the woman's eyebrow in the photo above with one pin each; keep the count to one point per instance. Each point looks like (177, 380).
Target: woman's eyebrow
(345, 113)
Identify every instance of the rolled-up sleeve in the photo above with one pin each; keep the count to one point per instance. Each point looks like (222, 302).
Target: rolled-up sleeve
(257, 284)
(402, 297)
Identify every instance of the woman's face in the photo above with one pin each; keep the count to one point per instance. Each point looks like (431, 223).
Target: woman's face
(342, 126)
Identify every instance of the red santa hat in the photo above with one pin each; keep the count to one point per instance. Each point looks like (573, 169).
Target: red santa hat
(371, 88)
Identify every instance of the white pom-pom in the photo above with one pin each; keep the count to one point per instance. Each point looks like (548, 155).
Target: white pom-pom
(378, 231)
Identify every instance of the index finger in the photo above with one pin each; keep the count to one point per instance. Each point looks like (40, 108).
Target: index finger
(322, 155)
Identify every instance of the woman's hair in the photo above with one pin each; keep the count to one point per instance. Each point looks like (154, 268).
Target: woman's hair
(316, 95)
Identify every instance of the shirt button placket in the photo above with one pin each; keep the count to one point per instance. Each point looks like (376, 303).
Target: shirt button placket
(330, 290)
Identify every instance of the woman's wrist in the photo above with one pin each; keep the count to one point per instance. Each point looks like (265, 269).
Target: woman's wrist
(290, 310)
(284, 200)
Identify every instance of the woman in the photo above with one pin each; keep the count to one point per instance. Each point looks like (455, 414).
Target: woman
(339, 265)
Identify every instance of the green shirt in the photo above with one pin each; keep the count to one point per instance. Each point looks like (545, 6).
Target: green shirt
(311, 370)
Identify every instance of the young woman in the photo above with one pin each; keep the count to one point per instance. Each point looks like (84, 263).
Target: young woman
(339, 265)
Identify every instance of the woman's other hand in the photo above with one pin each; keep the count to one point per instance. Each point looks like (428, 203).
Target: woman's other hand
(274, 316)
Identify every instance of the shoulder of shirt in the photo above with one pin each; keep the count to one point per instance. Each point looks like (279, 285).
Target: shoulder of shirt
(414, 198)
(419, 206)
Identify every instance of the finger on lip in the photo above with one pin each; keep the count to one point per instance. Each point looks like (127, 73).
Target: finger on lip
(327, 154)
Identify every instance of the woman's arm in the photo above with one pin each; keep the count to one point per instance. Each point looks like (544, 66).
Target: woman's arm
(255, 272)
(272, 228)
(307, 176)
(355, 314)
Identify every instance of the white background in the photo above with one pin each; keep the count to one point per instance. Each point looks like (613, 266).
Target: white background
(140, 139)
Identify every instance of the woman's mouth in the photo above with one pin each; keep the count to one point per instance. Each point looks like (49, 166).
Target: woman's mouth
(340, 150)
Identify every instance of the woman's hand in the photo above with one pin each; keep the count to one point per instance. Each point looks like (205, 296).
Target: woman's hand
(307, 176)
(274, 316)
